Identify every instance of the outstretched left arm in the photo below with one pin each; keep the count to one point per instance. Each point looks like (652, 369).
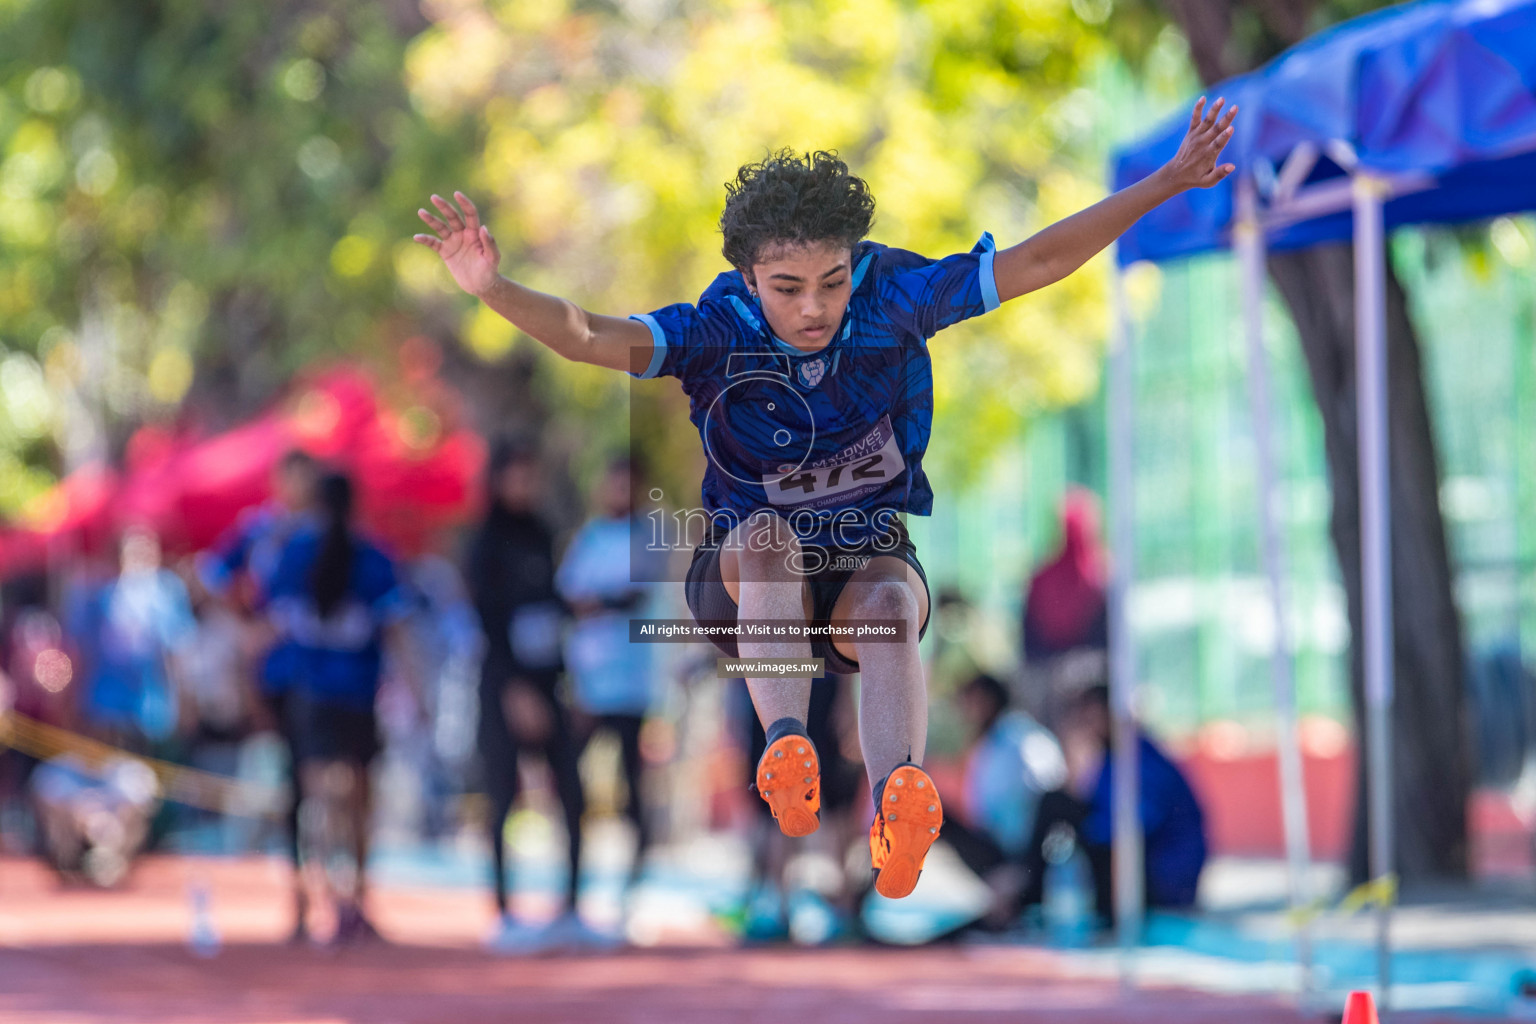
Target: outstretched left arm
(1050, 255)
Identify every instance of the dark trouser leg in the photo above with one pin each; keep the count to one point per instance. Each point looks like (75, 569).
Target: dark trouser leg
(1056, 808)
(291, 820)
(498, 761)
(977, 851)
(501, 805)
(628, 728)
(1101, 863)
(986, 859)
(563, 753)
(361, 806)
(287, 729)
(277, 705)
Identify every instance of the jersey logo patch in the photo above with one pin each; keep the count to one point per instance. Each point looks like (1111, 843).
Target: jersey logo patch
(811, 372)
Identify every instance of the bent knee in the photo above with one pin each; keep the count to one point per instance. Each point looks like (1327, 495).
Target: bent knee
(885, 599)
(766, 547)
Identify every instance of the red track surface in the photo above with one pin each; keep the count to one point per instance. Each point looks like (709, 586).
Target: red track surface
(79, 957)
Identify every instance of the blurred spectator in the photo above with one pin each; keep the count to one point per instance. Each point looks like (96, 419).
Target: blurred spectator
(38, 678)
(332, 596)
(950, 662)
(93, 817)
(1065, 612)
(511, 576)
(238, 569)
(438, 658)
(217, 704)
(606, 577)
(240, 565)
(1010, 762)
(1172, 824)
(137, 622)
(773, 910)
(84, 579)
(33, 653)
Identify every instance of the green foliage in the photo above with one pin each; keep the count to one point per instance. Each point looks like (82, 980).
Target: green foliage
(195, 186)
(610, 129)
(197, 198)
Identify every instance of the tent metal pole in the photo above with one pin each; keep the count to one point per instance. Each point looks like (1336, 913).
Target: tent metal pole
(1375, 545)
(1248, 238)
(1127, 836)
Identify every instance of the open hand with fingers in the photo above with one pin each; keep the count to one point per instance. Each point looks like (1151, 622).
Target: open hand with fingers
(1194, 165)
(466, 245)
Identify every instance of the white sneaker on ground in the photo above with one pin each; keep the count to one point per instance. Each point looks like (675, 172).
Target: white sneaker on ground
(569, 932)
(512, 937)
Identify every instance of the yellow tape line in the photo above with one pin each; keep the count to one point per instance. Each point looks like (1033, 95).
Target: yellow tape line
(191, 786)
(1381, 892)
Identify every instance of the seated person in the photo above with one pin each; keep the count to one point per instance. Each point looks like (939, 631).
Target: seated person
(1011, 761)
(1172, 824)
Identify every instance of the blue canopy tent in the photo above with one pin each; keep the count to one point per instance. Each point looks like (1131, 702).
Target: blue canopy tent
(1437, 96)
(1422, 113)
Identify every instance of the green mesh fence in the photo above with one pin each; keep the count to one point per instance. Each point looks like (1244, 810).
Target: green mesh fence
(1200, 605)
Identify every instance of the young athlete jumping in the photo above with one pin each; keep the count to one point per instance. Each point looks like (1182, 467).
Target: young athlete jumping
(809, 380)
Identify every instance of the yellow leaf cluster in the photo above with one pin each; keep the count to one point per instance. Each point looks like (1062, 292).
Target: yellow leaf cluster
(608, 135)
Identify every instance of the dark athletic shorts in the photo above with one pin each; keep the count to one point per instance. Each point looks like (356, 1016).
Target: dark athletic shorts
(325, 731)
(710, 603)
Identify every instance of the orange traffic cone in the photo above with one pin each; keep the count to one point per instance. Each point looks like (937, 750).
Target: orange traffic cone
(1359, 1009)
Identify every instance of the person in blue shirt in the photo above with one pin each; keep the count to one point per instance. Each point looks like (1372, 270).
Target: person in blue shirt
(1010, 763)
(238, 570)
(140, 621)
(240, 564)
(807, 371)
(333, 595)
(1172, 823)
(614, 679)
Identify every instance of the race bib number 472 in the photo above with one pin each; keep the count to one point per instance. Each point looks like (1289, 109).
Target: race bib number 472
(861, 468)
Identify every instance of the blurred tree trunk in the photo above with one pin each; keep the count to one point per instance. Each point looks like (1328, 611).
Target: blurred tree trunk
(1431, 762)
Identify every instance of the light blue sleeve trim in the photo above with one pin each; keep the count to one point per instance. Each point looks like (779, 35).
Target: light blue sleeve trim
(988, 277)
(745, 313)
(658, 346)
(858, 272)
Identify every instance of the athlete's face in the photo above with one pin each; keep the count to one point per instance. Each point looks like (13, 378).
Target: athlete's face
(294, 485)
(140, 551)
(803, 290)
(615, 493)
(518, 485)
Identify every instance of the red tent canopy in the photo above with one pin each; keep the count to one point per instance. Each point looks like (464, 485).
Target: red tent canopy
(74, 516)
(416, 472)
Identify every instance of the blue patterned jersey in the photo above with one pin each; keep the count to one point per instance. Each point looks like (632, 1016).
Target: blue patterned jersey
(832, 440)
(336, 659)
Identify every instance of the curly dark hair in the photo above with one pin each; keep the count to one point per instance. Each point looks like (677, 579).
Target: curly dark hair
(794, 198)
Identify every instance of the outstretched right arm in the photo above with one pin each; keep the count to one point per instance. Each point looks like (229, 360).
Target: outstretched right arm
(472, 257)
